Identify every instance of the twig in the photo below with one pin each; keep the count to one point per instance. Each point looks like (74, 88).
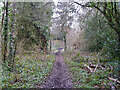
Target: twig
(96, 68)
(91, 70)
(115, 80)
(101, 67)
(111, 67)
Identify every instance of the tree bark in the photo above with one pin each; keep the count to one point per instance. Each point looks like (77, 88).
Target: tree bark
(50, 40)
(3, 15)
(65, 42)
(11, 43)
(5, 32)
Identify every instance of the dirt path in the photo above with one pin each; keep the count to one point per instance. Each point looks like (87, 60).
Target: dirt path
(60, 76)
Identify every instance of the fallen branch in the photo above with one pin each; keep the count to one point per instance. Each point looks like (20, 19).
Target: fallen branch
(115, 80)
(96, 68)
(90, 69)
(91, 65)
(101, 67)
(111, 68)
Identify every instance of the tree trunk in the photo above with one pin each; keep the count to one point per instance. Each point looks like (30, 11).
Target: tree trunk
(3, 17)
(50, 41)
(43, 44)
(5, 34)
(65, 46)
(14, 53)
(2, 31)
(11, 43)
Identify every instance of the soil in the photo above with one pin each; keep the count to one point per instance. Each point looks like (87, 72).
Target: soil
(60, 76)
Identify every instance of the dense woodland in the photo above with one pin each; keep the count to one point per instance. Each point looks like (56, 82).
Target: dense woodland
(32, 34)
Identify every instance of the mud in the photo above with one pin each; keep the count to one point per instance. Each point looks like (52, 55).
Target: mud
(60, 76)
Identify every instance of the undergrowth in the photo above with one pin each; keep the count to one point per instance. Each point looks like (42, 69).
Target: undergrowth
(82, 78)
(30, 72)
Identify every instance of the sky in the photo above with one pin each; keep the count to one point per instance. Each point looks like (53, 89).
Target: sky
(54, 15)
(55, 2)
(1, 4)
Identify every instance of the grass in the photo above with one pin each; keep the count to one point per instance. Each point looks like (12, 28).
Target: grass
(30, 71)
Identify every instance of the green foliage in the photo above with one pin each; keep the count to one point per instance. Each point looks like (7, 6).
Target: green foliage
(30, 72)
(101, 37)
(79, 58)
(5, 35)
(83, 79)
(33, 21)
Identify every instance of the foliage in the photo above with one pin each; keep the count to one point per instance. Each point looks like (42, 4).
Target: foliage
(24, 24)
(12, 40)
(101, 37)
(5, 34)
(33, 22)
(30, 72)
(110, 11)
(99, 79)
(63, 21)
(27, 24)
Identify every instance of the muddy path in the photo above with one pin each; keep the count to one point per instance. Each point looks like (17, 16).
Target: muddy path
(60, 75)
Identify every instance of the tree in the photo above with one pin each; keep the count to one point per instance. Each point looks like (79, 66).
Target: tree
(63, 21)
(100, 36)
(12, 44)
(2, 22)
(110, 11)
(5, 34)
(29, 24)
(3, 14)
(33, 24)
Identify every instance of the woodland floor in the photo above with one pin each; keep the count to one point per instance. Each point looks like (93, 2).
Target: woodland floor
(67, 70)
(60, 76)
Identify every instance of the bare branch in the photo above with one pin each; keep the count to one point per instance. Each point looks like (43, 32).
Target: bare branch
(95, 68)
(115, 80)
(90, 69)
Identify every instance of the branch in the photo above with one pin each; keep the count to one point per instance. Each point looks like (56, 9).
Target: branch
(105, 6)
(80, 4)
(46, 4)
(115, 80)
(111, 68)
(106, 16)
(89, 6)
(90, 69)
(94, 7)
(95, 68)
